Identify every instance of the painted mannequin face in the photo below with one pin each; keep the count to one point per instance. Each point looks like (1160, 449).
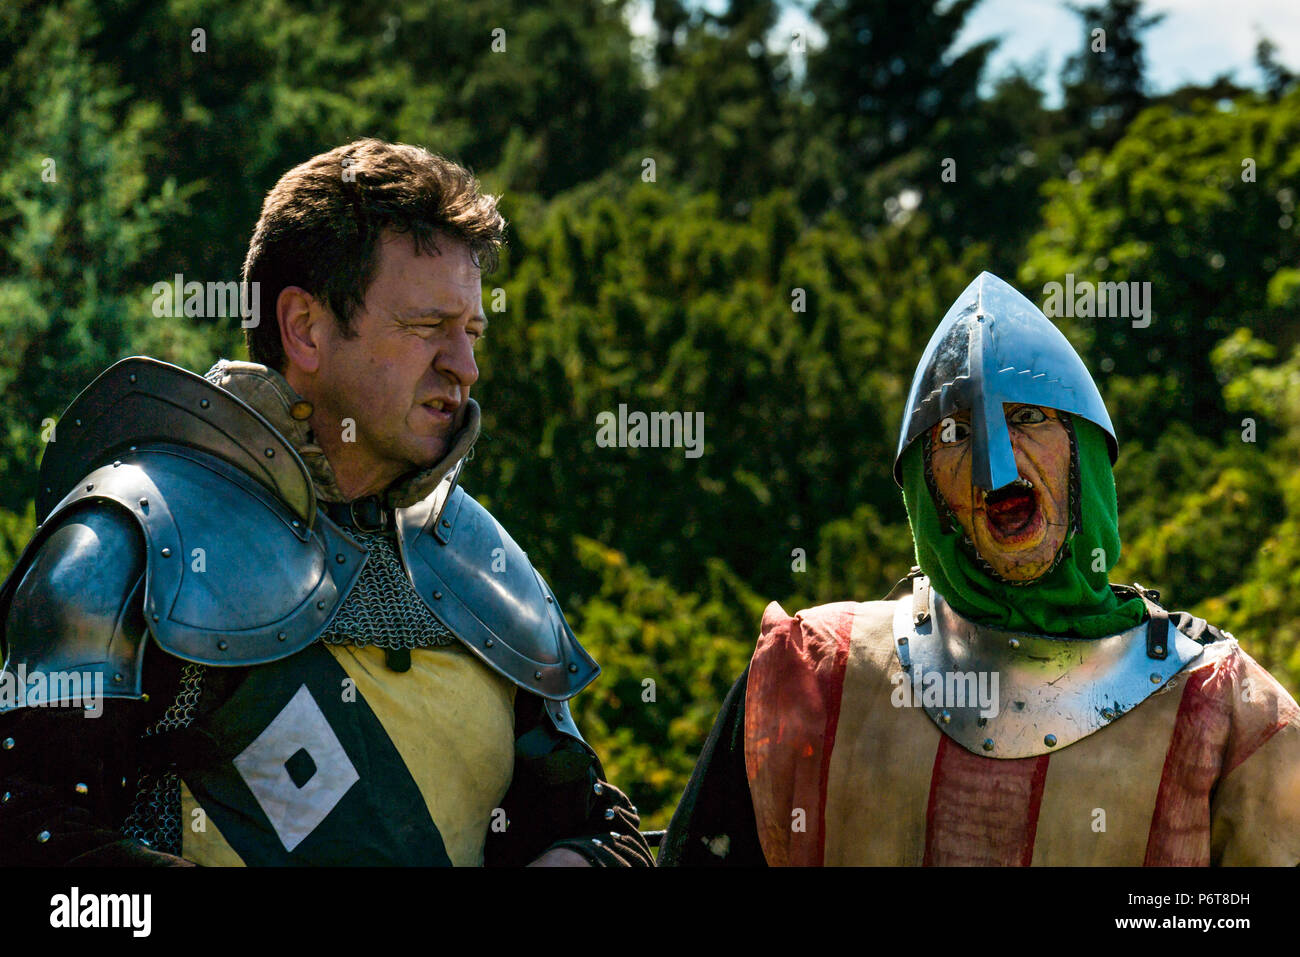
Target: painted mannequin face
(1018, 529)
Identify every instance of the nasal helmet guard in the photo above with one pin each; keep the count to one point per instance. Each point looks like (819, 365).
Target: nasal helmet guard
(994, 346)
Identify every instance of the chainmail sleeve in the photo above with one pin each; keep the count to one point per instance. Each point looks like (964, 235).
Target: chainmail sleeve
(155, 817)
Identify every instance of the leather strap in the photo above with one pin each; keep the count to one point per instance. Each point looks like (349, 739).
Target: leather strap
(366, 514)
(1157, 624)
(920, 600)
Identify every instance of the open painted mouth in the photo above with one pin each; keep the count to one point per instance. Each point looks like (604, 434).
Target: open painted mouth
(1012, 511)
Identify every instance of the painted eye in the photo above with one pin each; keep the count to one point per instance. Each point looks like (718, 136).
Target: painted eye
(952, 431)
(1028, 415)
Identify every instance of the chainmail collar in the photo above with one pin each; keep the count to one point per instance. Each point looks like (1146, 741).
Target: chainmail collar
(270, 394)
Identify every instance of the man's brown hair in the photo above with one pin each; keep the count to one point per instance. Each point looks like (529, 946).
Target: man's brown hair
(320, 228)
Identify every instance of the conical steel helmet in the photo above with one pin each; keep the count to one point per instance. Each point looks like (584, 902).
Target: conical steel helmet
(993, 347)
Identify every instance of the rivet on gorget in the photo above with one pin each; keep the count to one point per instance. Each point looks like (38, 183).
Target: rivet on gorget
(320, 605)
(155, 616)
(222, 645)
(1014, 643)
(42, 837)
(537, 675)
(270, 453)
(77, 422)
(131, 377)
(1050, 740)
(437, 596)
(559, 716)
(204, 403)
(117, 463)
(7, 744)
(446, 524)
(90, 487)
(166, 553)
(573, 669)
(144, 503)
(296, 523)
(488, 643)
(81, 788)
(339, 558)
(1155, 678)
(1159, 649)
(281, 636)
(550, 600)
(117, 678)
(945, 716)
(988, 744)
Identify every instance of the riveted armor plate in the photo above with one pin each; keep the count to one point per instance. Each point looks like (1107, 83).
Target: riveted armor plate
(481, 585)
(1040, 693)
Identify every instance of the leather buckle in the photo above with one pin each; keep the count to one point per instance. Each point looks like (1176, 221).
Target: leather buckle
(368, 515)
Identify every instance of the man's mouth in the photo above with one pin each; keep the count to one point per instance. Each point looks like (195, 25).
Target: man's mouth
(1012, 511)
(443, 410)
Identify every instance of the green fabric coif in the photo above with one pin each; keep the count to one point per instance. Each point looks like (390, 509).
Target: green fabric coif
(1072, 600)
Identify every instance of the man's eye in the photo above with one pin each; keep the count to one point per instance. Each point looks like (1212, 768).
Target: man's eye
(1028, 416)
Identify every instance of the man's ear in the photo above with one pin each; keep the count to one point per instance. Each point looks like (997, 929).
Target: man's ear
(302, 327)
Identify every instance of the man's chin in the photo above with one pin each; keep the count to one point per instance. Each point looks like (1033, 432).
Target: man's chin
(426, 453)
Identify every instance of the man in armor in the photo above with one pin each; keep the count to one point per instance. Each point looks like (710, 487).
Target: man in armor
(313, 646)
(1004, 704)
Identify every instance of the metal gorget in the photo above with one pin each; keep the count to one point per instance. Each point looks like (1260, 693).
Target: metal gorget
(1004, 694)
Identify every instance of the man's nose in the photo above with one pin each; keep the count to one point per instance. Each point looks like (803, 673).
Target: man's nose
(457, 360)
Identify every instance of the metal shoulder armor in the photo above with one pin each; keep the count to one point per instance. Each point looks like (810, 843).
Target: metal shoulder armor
(191, 514)
(1003, 694)
(481, 585)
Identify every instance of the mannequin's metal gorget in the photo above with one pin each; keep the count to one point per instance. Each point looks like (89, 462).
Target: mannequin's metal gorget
(196, 488)
(1051, 691)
